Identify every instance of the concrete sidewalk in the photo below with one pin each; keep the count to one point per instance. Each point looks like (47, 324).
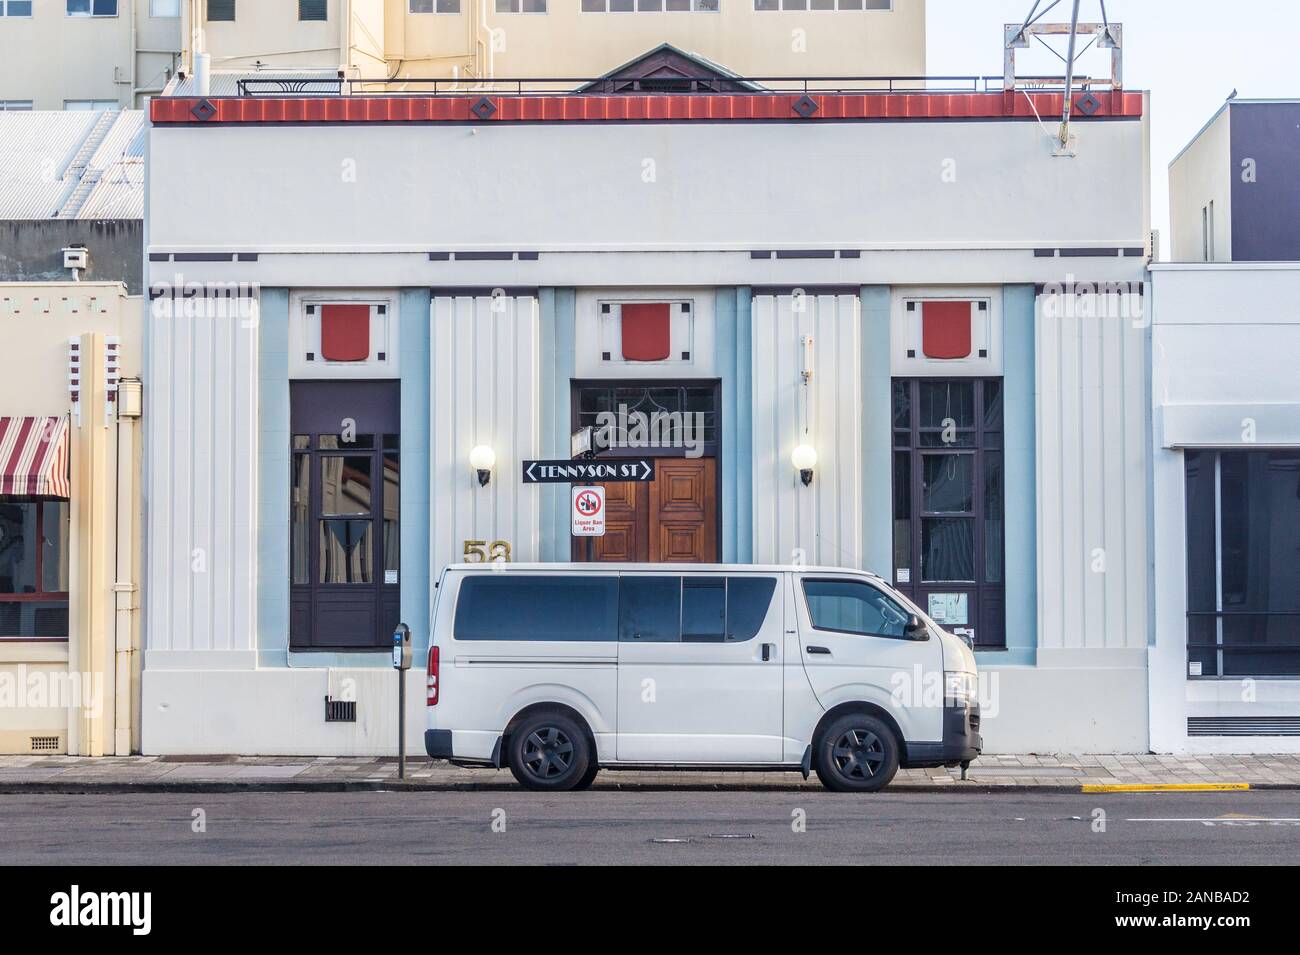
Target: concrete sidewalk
(73, 774)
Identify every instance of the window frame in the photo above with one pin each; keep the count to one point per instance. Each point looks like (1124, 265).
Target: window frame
(983, 442)
(91, 14)
(325, 11)
(1221, 613)
(164, 16)
(435, 11)
(207, 13)
(41, 596)
(316, 406)
(16, 105)
(808, 7)
(663, 8)
(803, 590)
(6, 15)
(521, 11)
(96, 105)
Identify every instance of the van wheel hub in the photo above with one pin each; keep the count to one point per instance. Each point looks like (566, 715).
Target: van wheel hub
(548, 752)
(858, 754)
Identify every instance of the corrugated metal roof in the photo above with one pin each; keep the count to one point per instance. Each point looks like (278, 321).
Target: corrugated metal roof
(72, 164)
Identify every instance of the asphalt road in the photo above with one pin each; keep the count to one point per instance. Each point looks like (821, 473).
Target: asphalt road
(672, 827)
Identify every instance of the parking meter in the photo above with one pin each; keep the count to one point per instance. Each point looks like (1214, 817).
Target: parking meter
(401, 663)
(402, 647)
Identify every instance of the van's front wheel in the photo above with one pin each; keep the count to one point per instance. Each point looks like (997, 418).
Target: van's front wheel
(857, 753)
(549, 753)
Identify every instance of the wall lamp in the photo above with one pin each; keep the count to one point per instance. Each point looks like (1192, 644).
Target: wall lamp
(483, 459)
(804, 459)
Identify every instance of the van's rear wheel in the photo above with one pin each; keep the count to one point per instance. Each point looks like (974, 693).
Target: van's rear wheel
(549, 753)
(857, 753)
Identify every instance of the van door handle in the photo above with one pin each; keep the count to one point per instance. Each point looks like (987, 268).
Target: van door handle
(818, 650)
(767, 651)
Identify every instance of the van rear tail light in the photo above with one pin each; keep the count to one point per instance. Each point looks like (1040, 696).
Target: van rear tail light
(431, 684)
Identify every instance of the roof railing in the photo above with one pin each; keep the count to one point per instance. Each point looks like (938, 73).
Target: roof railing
(297, 86)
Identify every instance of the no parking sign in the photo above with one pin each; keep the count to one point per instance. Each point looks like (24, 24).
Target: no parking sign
(588, 512)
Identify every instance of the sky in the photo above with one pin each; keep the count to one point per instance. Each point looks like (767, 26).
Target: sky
(1189, 53)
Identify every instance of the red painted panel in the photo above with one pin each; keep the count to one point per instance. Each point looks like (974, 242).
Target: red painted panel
(345, 332)
(945, 329)
(650, 108)
(647, 331)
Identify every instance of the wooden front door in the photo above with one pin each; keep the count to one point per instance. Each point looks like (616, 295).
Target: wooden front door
(672, 519)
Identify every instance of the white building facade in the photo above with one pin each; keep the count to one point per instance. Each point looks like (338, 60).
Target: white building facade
(912, 285)
(1225, 662)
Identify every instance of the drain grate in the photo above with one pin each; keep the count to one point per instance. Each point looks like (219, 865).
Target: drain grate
(340, 711)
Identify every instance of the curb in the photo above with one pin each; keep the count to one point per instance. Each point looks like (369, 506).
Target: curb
(375, 786)
(1170, 787)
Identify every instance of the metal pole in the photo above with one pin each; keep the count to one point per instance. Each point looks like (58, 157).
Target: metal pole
(1069, 78)
(401, 724)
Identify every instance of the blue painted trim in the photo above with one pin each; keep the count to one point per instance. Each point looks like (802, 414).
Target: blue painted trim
(273, 484)
(558, 309)
(732, 347)
(1019, 463)
(877, 444)
(273, 477)
(725, 359)
(1010, 657)
(417, 585)
(744, 389)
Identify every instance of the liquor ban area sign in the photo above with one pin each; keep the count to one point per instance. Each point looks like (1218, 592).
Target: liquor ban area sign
(589, 512)
(565, 471)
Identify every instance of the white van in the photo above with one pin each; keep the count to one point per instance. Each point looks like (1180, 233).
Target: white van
(558, 670)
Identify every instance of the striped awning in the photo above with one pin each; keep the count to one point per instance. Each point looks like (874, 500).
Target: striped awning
(34, 456)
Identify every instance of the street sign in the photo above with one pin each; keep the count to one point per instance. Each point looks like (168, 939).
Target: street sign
(564, 471)
(588, 512)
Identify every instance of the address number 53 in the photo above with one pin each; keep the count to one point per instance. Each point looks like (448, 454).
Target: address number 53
(479, 552)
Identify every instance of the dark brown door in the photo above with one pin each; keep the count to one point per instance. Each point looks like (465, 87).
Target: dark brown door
(672, 519)
(626, 537)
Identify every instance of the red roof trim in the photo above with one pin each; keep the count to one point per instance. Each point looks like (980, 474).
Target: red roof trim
(661, 108)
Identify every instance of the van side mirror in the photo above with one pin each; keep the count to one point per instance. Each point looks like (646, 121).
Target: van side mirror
(916, 629)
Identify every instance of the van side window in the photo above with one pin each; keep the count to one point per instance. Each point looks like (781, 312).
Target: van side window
(704, 609)
(537, 607)
(748, 599)
(664, 609)
(850, 606)
(650, 609)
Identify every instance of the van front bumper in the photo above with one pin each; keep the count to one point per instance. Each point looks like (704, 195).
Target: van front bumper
(961, 739)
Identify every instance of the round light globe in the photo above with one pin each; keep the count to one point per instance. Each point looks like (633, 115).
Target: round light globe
(482, 458)
(804, 457)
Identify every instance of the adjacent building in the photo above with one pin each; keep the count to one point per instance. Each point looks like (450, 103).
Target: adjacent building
(87, 54)
(107, 54)
(1226, 440)
(71, 218)
(862, 352)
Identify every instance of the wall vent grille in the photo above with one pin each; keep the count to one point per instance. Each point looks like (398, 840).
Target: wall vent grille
(1243, 726)
(45, 744)
(340, 711)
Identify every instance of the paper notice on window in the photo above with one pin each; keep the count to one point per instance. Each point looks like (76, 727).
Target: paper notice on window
(904, 575)
(390, 576)
(948, 609)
